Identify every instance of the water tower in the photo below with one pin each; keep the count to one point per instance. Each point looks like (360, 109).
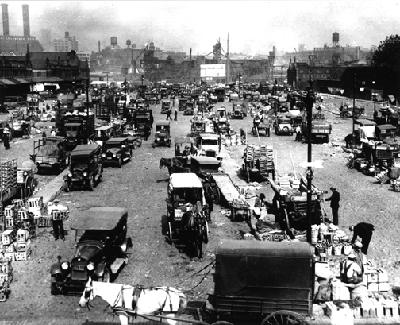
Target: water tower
(335, 39)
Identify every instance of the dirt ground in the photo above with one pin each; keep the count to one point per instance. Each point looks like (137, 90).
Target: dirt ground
(140, 185)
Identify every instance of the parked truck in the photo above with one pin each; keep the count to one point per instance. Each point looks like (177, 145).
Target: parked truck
(50, 154)
(77, 127)
(320, 128)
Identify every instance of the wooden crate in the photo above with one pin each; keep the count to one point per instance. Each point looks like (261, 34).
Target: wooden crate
(44, 221)
(22, 256)
(9, 256)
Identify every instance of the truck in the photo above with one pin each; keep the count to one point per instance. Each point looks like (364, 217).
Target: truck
(320, 128)
(50, 154)
(77, 127)
(258, 163)
(8, 180)
(142, 118)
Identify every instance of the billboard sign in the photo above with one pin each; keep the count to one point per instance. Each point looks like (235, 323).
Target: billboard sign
(212, 70)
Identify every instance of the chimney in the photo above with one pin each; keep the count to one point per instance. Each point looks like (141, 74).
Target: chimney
(66, 35)
(25, 18)
(98, 44)
(6, 27)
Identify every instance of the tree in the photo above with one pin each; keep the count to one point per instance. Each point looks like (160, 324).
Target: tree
(388, 53)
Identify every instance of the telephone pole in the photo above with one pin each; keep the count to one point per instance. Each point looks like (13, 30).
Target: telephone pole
(228, 63)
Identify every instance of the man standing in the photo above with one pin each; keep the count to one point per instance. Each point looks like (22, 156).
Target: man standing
(363, 230)
(169, 114)
(298, 133)
(176, 114)
(57, 220)
(335, 199)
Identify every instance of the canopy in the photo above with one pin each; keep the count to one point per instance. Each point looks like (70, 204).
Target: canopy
(274, 270)
(100, 218)
(202, 160)
(104, 128)
(185, 180)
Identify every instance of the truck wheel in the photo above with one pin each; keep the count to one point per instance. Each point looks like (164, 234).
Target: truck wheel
(66, 187)
(283, 317)
(119, 162)
(106, 276)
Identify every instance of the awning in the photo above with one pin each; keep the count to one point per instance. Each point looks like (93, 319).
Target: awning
(7, 82)
(23, 81)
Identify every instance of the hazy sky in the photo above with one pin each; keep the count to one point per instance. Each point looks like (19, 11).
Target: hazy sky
(253, 26)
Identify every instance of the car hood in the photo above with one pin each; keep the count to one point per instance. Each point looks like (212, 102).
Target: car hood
(113, 150)
(87, 250)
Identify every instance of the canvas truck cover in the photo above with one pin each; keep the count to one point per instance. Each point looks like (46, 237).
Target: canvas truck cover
(266, 270)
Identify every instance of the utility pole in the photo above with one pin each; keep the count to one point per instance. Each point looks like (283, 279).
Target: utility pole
(309, 173)
(190, 64)
(228, 63)
(87, 109)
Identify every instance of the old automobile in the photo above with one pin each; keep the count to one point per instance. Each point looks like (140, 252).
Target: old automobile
(101, 250)
(202, 166)
(143, 121)
(189, 110)
(116, 151)
(50, 154)
(102, 134)
(86, 170)
(165, 106)
(209, 144)
(238, 112)
(222, 126)
(163, 134)
(134, 138)
(283, 125)
(198, 125)
(187, 215)
(182, 103)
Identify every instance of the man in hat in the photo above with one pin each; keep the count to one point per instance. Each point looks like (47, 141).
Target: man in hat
(57, 221)
(350, 271)
(363, 230)
(335, 199)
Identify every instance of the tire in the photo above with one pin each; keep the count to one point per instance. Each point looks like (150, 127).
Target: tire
(169, 232)
(100, 178)
(56, 289)
(119, 162)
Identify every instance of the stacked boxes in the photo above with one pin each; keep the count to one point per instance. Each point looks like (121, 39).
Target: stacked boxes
(7, 240)
(6, 276)
(8, 175)
(377, 280)
(377, 307)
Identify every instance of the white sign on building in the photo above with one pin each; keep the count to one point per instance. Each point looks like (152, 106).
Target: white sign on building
(212, 70)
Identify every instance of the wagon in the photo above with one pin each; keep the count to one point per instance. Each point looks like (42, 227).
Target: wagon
(186, 220)
(266, 282)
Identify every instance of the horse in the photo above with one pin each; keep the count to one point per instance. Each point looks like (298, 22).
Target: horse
(166, 162)
(137, 300)
(193, 233)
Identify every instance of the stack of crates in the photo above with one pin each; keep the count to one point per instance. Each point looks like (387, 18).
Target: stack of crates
(249, 155)
(6, 276)
(25, 220)
(2, 219)
(8, 175)
(7, 240)
(23, 249)
(10, 217)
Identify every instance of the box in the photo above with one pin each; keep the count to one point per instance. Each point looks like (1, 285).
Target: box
(22, 235)
(7, 237)
(374, 287)
(44, 221)
(390, 308)
(21, 247)
(9, 256)
(383, 286)
(9, 248)
(22, 256)
(6, 277)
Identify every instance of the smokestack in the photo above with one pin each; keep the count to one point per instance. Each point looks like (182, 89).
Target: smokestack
(6, 27)
(98, 45)
(25, 17)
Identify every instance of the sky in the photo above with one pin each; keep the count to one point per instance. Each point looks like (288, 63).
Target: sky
(254, 27)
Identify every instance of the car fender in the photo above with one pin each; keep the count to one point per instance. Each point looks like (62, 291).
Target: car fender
(55, 269)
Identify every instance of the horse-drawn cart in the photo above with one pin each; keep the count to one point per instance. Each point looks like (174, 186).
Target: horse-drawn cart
(186, 219)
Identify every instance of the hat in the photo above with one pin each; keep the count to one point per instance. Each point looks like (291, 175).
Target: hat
(358, 244)
(333, 188)
(351, 228)
(351, 256)
(56, 201)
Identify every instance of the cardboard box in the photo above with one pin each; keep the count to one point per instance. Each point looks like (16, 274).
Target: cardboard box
(22, 256)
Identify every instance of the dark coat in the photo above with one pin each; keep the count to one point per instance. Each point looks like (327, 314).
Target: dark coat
(363, 230)
(335, 199)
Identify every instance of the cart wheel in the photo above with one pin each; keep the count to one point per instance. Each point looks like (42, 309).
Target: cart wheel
(198, 245)
(284, 317)
(66, 187)
(120, 162)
